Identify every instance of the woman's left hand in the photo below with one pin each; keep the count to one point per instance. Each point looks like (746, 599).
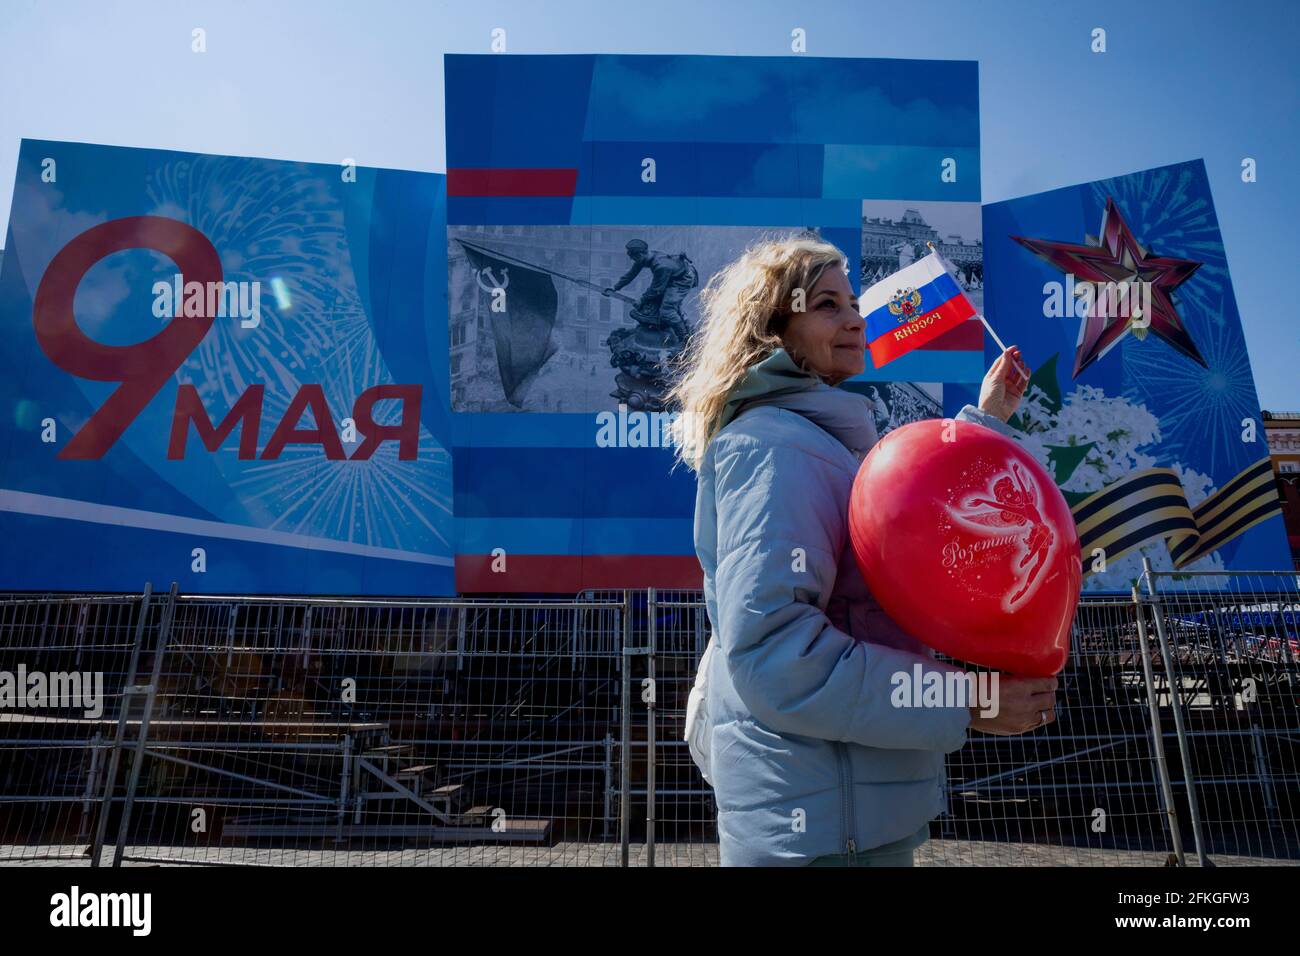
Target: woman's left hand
(1004, 385)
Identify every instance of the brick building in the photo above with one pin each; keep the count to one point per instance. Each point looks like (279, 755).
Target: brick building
(1282, 430)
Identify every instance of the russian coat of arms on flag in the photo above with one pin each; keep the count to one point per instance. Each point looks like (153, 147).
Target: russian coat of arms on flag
(905, 304)
(913, 306)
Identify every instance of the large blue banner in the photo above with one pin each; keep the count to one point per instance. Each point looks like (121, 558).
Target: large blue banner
(644, 175)
(225, 372)
(1142, 401)
(254, 376)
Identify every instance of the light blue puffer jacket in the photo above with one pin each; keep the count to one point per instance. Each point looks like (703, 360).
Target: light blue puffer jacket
(808, 755)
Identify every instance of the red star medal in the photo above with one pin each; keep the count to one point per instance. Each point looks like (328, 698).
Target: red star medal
(1117, 257)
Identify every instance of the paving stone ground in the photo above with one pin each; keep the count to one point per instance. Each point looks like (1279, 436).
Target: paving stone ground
(933, 853)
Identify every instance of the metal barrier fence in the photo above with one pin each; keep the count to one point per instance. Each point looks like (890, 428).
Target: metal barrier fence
(54, 758)
(1082, 790)
(1228, 671)
(307, 731)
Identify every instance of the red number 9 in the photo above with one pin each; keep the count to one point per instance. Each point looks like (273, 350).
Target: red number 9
(141, 368)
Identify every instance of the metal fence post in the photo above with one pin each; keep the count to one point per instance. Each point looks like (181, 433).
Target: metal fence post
(150, 696)
(625, 733)
(460, 638)
(609, 785)
(88, 795)
(1157, 735)
(1261, 767)
(1176, 702)
(650, 729)
(124, 709)
(344, 779)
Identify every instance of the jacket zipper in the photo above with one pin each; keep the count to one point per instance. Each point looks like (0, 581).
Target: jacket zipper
(847, 816)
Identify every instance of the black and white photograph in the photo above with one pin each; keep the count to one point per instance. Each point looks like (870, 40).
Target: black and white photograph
(577, 318)
(896, 234)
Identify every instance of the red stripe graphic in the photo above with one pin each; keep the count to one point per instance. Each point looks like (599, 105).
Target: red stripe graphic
(919, 331)
(511, 182)
(569, 573)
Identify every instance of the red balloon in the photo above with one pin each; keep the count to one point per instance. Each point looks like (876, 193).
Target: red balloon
(968, 545)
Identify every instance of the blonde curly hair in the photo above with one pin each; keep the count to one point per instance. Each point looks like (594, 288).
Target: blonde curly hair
(744, 310)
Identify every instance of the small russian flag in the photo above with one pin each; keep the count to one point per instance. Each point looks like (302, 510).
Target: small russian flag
(913, 306)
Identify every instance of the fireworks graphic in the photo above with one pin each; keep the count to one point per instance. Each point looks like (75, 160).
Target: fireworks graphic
(1171, 214)
(280, 224)
(1200, 409)
(267, 220)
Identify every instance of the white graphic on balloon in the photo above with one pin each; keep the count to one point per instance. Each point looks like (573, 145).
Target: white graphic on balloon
(1012, 504)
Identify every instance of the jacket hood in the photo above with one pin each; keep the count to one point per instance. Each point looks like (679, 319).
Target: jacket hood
(777, 380)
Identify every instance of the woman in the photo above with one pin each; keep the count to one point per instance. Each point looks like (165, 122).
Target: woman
(810, 761)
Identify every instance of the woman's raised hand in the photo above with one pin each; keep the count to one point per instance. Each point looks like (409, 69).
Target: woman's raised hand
(1004, 385)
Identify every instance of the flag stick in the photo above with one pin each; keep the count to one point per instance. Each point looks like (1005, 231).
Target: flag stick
(1019, 367)
(537, 267)
(991, 332)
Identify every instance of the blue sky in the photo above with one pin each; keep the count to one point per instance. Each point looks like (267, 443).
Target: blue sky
(320, 81)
